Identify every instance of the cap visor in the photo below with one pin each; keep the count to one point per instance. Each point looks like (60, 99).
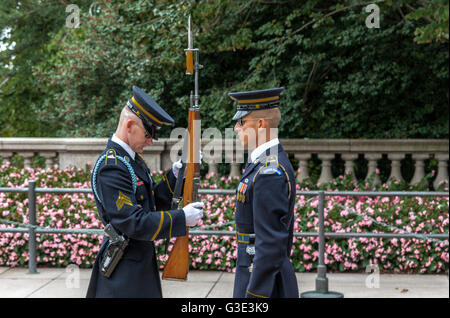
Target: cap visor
(241, 113)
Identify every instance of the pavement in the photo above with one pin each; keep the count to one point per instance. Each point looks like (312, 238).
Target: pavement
(72, 282)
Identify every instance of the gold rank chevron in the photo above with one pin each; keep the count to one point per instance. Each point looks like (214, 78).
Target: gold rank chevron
(121, 200)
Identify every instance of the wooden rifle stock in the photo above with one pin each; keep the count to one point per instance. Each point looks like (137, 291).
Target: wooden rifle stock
(177, 266)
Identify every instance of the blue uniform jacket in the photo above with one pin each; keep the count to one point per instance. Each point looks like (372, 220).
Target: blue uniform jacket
(265, 208)
(143, 216)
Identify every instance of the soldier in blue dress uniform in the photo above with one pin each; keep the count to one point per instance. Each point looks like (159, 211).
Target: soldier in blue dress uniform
(265, 201)
(135, 206)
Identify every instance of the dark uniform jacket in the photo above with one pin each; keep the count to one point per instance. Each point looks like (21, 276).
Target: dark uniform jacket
(265, 208)
(142, 216)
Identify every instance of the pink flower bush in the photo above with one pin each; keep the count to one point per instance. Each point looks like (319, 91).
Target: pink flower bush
(342, 214)
(53, 210)
(419, 215)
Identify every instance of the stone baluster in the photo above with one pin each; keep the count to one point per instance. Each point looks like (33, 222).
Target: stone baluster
(235, 171)
(27, 159)
(349, 163)
(395, 158)
(419, 170)
(372, 167)
(442, 173)
(212, 168)
(49, 157)
(325, 174)
(303, 165)
(6, 156)
(212, 154)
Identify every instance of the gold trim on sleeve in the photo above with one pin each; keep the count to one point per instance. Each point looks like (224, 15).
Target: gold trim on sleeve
(159, 227)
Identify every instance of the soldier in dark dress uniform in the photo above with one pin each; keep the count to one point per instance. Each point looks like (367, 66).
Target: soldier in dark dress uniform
(265, 201)
(137, 208)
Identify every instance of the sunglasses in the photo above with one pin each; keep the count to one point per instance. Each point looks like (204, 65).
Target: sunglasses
(151, 131)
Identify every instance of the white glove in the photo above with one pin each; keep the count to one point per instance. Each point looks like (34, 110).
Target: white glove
(193, 213)
(177, 166)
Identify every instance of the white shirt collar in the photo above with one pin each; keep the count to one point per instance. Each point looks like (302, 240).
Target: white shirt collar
(262, 148)
(124, 145)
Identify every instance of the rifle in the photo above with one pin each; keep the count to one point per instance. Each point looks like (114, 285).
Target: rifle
(177, 266)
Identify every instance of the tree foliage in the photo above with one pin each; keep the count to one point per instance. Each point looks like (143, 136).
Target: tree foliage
(30, 26)
(435, 13)
(342, 79)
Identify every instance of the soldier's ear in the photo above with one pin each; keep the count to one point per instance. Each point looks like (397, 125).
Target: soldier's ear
(129, 123)
(260, 123)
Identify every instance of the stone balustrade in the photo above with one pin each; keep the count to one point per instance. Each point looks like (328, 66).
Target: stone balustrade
(80, 151)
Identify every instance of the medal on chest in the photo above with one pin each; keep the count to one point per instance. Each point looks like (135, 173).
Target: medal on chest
(241, 190)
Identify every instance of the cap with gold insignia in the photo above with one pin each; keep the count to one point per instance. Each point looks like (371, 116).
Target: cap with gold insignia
(151, 114)
(255, 100)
